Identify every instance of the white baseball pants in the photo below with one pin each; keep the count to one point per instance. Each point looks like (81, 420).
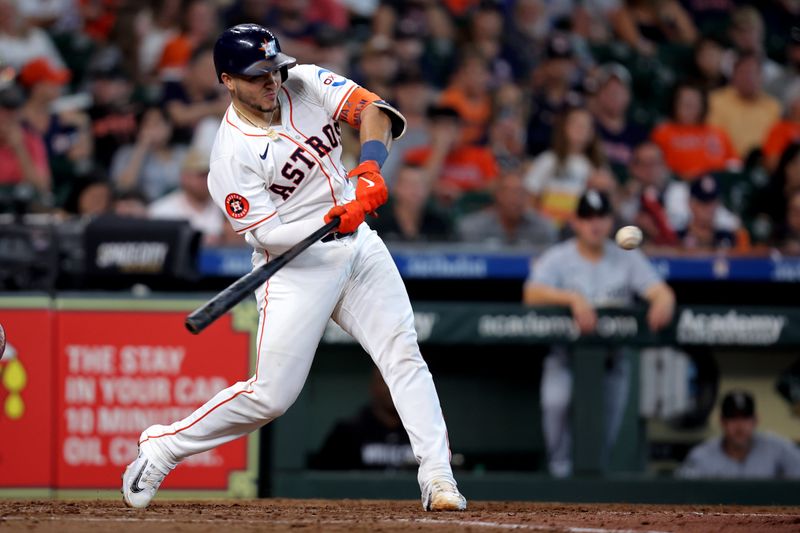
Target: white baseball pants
(355, 281)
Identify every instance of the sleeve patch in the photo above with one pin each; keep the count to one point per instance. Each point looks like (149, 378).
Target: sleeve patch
(236, 205)
(330, 79)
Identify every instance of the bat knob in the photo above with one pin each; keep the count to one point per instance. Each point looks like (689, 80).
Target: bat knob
(192, 326)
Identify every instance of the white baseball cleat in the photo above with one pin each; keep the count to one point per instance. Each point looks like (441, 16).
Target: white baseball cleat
(442, 495)
(140, 482)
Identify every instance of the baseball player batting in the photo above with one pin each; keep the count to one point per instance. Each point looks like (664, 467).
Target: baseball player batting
(276, 171)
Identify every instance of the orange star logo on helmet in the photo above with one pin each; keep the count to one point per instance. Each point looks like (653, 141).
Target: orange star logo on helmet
(270, 48)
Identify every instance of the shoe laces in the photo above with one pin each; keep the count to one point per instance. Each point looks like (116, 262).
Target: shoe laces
(442, 485)
(152, 476)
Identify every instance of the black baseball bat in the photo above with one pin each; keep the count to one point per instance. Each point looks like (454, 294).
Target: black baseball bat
(237, 291)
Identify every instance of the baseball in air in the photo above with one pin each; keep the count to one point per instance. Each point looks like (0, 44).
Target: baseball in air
(629, 237)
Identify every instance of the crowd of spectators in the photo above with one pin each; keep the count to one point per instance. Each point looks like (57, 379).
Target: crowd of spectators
(686, 113)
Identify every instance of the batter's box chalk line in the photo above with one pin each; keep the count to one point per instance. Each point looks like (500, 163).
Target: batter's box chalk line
(427, 521)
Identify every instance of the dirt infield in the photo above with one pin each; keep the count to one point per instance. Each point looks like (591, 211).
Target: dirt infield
(387, 516)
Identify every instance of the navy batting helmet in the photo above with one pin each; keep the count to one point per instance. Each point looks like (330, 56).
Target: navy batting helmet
(250, 50)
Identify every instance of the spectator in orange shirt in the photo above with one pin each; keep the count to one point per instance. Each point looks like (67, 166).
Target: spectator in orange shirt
(785, 132)
(690, 146)
(468, 94)
(197, 29)
(452, 167)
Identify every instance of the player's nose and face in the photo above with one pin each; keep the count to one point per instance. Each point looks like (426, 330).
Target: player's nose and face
(739, 430)
(264, 86)
(793, 212)
(703, 212)
(647, 165)
(410, 187)
(689, 106)
(747, 77)
(511, 196)
(259, 92)
(593, 231)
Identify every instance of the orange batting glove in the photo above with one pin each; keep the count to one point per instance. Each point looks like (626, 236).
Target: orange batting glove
(351, 215)
(371, 191)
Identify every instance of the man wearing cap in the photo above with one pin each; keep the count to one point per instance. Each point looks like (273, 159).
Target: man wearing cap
(609, 106)
(742, 451)
(710, 226)
(555, 79)
(62, 122)
(584, 273)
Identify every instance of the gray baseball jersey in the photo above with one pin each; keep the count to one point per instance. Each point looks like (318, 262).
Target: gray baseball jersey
(611, 282)
(772, 457)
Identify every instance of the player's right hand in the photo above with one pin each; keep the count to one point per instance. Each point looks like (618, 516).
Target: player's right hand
(584, 314)
(660, 314)
(351, 215)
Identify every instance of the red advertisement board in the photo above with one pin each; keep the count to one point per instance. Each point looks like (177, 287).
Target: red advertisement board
(121, 371)
(26, 399)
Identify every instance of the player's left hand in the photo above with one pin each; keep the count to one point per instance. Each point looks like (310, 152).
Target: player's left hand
(659, 315)
(371, 191)
(351, 215)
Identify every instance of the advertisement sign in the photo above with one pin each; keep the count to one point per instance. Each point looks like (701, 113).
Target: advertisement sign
(122, 371)
(455, 323)
(26, 398)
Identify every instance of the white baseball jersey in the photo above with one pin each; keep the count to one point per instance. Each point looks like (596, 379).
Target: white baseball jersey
(298, 175)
